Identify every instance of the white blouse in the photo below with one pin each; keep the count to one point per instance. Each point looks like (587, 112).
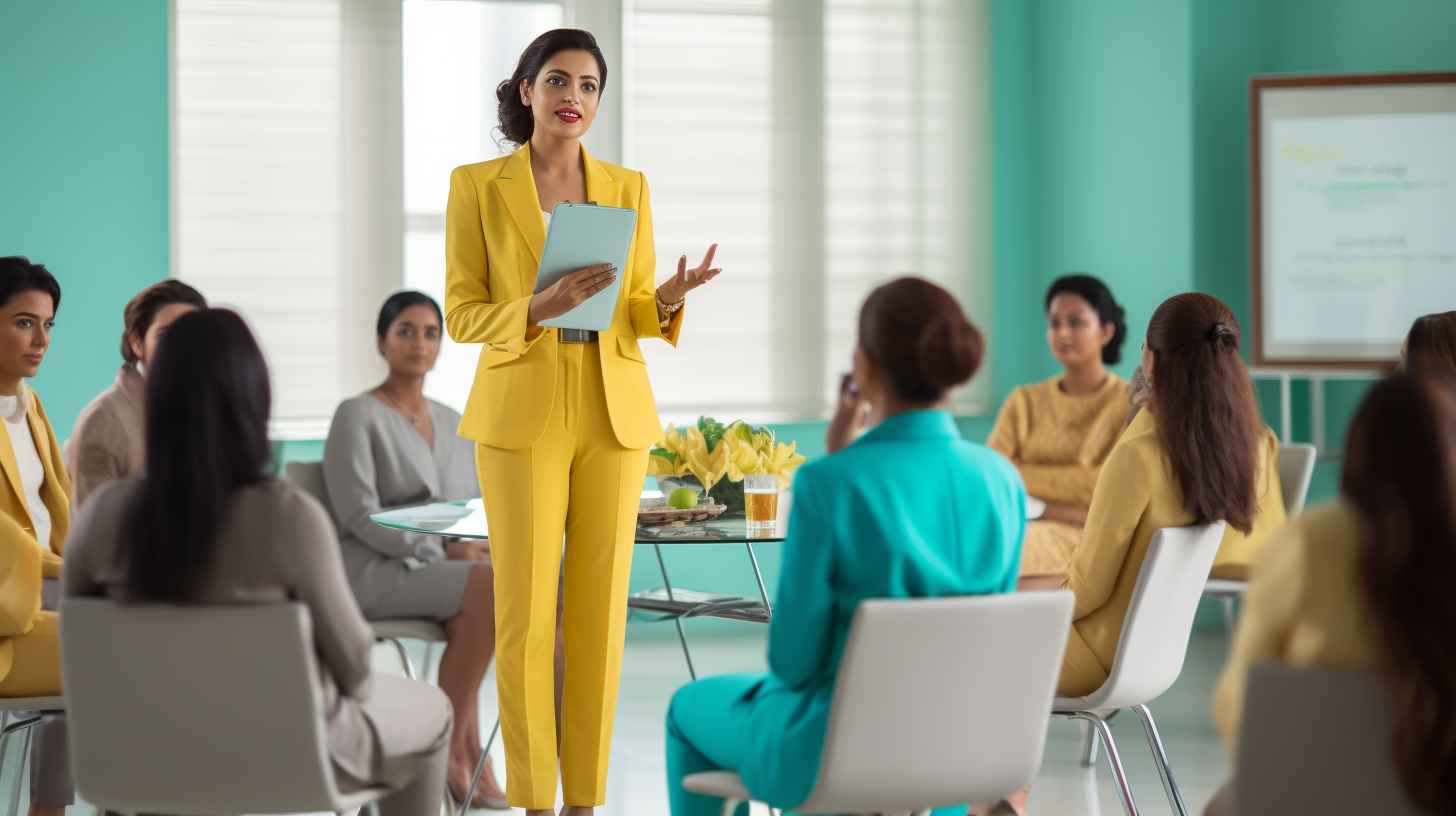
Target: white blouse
(32, 472)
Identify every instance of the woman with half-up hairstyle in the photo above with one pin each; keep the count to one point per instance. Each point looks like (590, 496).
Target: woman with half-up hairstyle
(908, 509)
(1198, 453)
(1365, 582)
(562, 414)
(206, 524)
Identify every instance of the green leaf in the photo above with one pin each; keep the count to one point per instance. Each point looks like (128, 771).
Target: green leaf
(664, 453)
(744, 433)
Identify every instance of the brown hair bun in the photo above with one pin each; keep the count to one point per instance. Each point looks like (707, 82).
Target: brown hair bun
(917, 332)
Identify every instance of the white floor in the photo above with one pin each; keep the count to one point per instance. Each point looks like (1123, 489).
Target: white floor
(653, 667)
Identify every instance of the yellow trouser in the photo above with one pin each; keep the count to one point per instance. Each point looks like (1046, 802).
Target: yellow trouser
(576, 478)
(36, 671)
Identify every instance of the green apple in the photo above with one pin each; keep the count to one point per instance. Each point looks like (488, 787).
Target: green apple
(684, 498)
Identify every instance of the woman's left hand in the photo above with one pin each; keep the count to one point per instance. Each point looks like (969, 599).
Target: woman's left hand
(686, 280)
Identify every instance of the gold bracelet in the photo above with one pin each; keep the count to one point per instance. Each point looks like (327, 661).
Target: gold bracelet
(666, 308)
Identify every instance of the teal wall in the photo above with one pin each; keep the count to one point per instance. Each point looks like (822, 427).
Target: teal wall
(84, 172)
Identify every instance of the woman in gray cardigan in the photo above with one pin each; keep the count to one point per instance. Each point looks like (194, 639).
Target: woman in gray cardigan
(391, 447)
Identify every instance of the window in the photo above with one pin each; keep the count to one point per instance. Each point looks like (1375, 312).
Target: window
(828, 147)
(455, 52)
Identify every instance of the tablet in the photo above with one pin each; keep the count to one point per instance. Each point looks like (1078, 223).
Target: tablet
(583, 235)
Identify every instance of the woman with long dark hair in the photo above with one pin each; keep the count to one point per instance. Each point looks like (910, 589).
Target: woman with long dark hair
(1366, 582)
(866, 523)
(562, 418)
(1197, 453)
(1430, 346)
(206, 524)
(1059, 431)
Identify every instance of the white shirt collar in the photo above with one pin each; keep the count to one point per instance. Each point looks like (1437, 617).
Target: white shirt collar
(12, 409)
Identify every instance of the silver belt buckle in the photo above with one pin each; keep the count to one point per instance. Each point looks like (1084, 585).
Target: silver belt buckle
(576, 336)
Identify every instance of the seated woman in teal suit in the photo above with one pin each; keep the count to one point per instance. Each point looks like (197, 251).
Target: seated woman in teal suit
(908, 510)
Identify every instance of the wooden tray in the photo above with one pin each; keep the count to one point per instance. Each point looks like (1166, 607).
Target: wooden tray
(664, 516)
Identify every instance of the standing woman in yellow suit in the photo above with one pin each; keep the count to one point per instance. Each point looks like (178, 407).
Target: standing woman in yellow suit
(562, 418)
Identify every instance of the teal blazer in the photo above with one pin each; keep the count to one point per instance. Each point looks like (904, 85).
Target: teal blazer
(910, 510)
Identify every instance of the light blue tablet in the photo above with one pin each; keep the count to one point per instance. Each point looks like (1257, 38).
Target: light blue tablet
(583, 235)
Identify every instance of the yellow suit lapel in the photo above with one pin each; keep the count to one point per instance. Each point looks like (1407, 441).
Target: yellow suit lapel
(600, 186)
(518, 188)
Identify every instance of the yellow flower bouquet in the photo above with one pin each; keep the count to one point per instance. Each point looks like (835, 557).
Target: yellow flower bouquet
(707, 454)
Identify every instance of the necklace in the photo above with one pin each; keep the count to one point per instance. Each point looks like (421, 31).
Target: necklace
(414, 419)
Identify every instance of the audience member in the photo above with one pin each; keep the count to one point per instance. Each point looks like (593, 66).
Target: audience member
(1197, 453)
(867, 522)
(1430, 346)
(205, 524)
(391, 447)
(108, 440)
(1058, 432)
(1365, 582)
(35, 494)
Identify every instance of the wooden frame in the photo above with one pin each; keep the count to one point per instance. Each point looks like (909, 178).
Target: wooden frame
(1257, 84)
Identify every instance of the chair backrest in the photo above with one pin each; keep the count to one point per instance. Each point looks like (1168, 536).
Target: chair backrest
(309, 476)
(941, 701)
(1316, 741)
(1296, 471)
(200, 710)
(1159, 619)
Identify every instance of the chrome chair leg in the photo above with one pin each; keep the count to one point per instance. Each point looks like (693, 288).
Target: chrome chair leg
(1119, 775)
(20, 768)
(1160, 758)
(1228, 616)
(404, 658)
(1089, 744)
(729, 806)
(480, 768)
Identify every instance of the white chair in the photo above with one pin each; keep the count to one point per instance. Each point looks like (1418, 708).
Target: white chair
(938, 702)
(1296, 471)
(198, 710)
(43, 710)
(1150, 650)
(1316, 741)
(309, 476)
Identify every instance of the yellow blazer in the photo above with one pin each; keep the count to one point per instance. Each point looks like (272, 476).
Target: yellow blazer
(494, 234)
(1304, 608)
(1137, 495)
(20, 564)
(55, 493)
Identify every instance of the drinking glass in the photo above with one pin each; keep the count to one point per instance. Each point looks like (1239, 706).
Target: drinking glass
(761, 500)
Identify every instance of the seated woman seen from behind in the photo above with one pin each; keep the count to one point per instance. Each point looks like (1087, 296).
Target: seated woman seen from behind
(247, 537)
(1197, 453)
(1366, 582)
(1058, 432)
(1430, 347)
(910, 509)
(392, 447)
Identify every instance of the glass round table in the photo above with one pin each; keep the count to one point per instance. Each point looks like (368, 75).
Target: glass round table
(466, 519)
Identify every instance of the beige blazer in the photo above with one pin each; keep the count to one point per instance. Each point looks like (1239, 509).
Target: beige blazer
(108, 441)
(276, 544)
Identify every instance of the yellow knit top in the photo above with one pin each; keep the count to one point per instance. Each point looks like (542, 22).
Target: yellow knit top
(1303, 609)
(1060, 440)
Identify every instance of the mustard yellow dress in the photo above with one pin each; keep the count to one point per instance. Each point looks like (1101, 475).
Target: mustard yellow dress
(1137, 495)
(1061, 442)
(1304, 608)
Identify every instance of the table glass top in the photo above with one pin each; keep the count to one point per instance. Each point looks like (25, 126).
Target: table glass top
(466, 519)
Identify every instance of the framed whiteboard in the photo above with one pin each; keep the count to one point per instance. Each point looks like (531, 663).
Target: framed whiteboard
(1353, 200)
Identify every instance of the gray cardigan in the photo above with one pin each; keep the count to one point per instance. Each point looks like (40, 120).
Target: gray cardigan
(374, 460)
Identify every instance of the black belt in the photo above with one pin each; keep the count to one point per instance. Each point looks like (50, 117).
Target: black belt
(576, 336)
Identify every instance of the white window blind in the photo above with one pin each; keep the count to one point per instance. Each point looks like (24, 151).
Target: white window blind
(828, 145)
(455, 53)
(286, 199)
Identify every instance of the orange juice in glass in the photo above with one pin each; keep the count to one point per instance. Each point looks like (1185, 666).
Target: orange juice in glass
(761, 500)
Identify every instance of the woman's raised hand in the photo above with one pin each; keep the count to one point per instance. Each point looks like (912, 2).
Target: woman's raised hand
(569, 292)
(686, 280)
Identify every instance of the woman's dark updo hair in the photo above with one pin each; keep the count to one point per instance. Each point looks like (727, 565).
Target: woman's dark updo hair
(398, 302)
(1099, 297)
(18, 274)
(516, 121)
(917, 333)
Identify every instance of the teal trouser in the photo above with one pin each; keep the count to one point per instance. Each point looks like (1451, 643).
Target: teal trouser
(703, 735)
